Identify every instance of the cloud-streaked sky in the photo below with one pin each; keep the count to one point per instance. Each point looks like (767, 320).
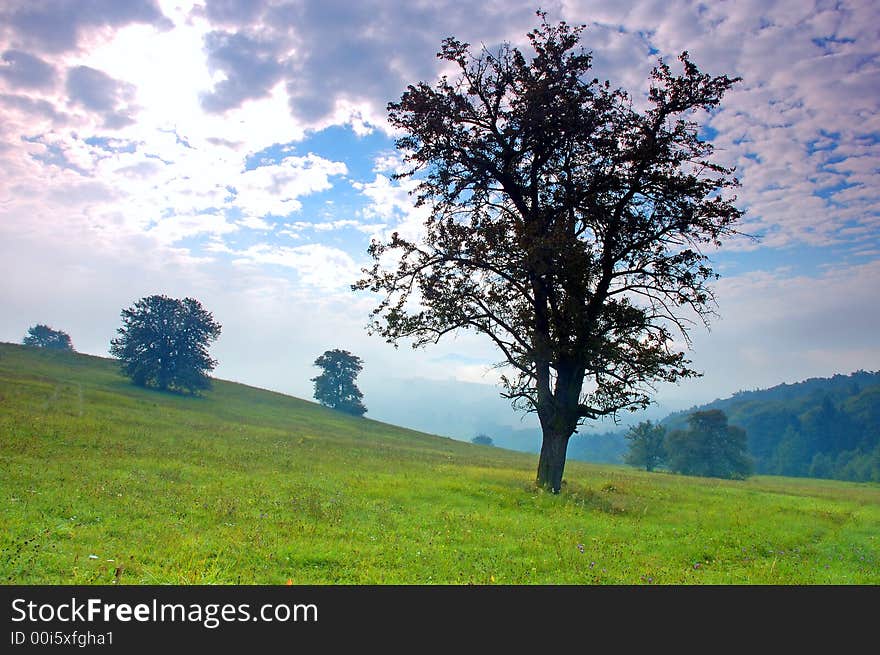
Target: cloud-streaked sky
(237, 152)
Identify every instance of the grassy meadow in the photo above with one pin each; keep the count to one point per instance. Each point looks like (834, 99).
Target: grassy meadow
(102, 482)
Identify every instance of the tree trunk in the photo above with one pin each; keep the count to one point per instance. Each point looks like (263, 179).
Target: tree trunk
(551, 463)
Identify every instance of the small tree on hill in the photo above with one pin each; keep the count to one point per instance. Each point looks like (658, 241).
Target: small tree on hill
(336, 387)
(42, 336)
(483, 440)
(646, 445)
(709, 447)
(163, 343)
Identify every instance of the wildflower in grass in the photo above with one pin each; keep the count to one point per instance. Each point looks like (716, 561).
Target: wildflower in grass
(580, 547)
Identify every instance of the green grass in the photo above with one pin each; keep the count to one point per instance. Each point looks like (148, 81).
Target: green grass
(102, 482)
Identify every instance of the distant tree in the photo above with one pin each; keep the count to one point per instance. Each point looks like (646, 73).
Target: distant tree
(336, 387)
(483, 440)
(647, 445)
(567, 225)
(163, 343)
(709, 447)
(42, 336)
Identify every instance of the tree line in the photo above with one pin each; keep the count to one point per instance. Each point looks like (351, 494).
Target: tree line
(821, 427)
(708, 447)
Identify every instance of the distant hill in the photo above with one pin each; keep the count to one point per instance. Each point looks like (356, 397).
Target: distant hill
(821, 427)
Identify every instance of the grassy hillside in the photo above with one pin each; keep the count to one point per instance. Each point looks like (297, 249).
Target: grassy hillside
(103, 482)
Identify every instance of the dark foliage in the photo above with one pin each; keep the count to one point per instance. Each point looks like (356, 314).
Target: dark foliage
(709, 447)
(42, 336)
(565, 226)
(483, 440)
(163, 343)
(604, 447)
(821, 427)
(336, 387)
(647, 445)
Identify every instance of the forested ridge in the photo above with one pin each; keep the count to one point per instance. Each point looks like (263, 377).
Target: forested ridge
(821, 427)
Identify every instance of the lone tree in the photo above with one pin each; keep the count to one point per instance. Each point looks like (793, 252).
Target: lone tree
(646, 445)
(163, 343)
(483, 440)
(42, 336)
(565, 225)
(709, 447)
(335, 387)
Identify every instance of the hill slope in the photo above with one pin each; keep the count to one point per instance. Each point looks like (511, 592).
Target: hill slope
(104, 482)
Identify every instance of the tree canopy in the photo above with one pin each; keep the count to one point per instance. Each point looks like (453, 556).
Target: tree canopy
(565, 225)
(483, 440)
(42, 336)
(647, 445)
(163, 343)
(709, 447)
(336, 387)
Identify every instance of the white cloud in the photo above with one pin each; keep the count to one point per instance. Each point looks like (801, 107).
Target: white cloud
(387, 198)
(318, 266)
(276, 189)
(255, 223)
(176, 228)
(296, 229)
(776, 327)
(389, 162)
(392, 203)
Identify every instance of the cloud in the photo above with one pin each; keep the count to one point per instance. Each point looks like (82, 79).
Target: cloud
(276, 189)
(178, 227)
(36, 107)
(226, 143)
(231, 12)
(320, 267)
(251, 68)
(340, 61)
(776, 327)
(54, 26)
(294, 230)
(143, 169)
(390, 201)
(53, 152)
(98, 92)
(21, 70)
(254, 223)
(805, 69)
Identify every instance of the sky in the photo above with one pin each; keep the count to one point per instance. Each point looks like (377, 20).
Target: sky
(238, 153)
